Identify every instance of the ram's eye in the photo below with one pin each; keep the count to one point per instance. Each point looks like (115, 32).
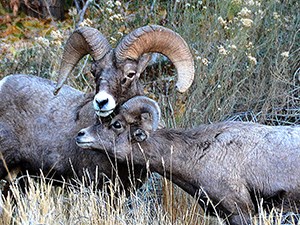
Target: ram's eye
(116, 125)
(131, 74)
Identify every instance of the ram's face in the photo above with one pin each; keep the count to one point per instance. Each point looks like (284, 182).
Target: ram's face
(113, 139)
(114, 84)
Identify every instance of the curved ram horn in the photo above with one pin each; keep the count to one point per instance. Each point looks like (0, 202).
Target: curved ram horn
(83, 41)
(154, 38)
(142, 104)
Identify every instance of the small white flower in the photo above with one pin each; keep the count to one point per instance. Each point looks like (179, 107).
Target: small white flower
(56, 42)
(222, 50)
(221, 21)
(120, 33)
(249, 45)
(42, 41)
(285, 54)
(86, 22)
(261, 13)
(72, 12)
(233, 47)
(250, 2)
(113, 40)
(110, 4)
(116, 16)
(198, 57)
(109, 10)
(276, 16)
(245, 12)
(205, 61)
(252, 60)
(55, 34)
(247, 22)
(118, 3)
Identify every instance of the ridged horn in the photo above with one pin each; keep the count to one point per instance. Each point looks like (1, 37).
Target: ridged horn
(143, 104)
(154, 38)
(83, 41)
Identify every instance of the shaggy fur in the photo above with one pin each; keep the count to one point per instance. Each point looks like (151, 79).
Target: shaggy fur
(37, 131)
(236, 164)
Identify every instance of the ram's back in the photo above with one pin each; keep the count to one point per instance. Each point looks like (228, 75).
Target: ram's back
(264, 159)
(37, 126)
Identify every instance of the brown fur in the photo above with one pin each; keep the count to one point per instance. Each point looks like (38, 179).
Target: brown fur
(118, 84)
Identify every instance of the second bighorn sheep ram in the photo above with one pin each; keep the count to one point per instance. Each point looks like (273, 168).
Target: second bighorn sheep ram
(237, 164)
(117, 71)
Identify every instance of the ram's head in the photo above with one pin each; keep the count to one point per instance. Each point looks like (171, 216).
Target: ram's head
(117, 71)
(135, 121)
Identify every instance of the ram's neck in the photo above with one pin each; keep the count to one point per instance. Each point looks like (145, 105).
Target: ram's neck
(174, 154)
(85, 114)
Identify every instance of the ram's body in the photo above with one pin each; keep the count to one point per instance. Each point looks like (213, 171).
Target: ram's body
(235, 163)
(37, 131)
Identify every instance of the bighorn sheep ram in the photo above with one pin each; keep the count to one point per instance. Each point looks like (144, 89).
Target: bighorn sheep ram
(117, 71)
(37, 131)
(237, 164)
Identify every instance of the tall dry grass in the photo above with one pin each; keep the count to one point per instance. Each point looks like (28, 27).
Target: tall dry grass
(247, 68)
(41, 202)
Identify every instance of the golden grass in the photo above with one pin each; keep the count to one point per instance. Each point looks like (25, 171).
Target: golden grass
(157, 202)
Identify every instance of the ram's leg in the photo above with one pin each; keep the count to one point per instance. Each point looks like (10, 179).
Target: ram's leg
(239, 205)
(240, 219)
(12, 174)
(3, 170)
(9, 155)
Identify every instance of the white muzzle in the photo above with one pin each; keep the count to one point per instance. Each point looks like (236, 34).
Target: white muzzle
(104, 104)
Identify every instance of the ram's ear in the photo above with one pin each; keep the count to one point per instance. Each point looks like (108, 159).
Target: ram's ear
(143, 63)
(139, 135)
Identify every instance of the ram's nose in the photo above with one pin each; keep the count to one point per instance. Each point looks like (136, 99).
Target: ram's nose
(81, 133)
(83, 140)
(101, 103)
(80, 136)
(104, 103)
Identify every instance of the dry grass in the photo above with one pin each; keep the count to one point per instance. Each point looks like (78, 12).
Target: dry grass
(157, 202)
(43, 203)
(247, 56)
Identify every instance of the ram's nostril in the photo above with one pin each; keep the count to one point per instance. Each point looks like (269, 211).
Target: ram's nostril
(80, 133)
(102, 103)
